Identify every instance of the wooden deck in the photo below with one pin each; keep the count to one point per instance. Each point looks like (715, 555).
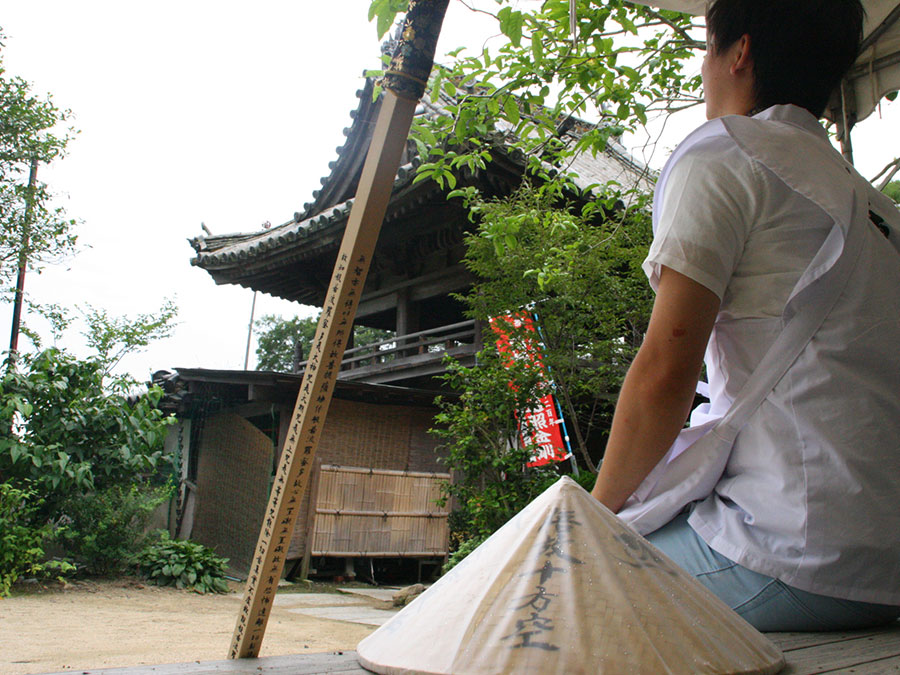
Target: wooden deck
(873, 651)
(865, 652)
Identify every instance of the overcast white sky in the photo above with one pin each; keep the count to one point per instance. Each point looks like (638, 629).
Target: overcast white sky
(222, 112)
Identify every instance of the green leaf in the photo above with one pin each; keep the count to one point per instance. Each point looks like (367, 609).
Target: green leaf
(537, 48)
(385, 11)
(422, 175)
(511, 108)
(511, 22)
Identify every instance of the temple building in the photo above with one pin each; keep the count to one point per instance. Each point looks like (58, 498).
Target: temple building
(373, 492)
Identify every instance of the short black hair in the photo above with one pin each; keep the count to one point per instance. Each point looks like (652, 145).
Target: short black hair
(801, 48)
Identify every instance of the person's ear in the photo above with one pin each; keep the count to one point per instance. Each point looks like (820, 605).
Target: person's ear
(742, 59)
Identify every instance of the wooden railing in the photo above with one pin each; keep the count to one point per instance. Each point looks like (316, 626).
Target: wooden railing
(412, 350)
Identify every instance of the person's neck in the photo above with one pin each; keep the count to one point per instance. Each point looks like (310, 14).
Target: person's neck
(738, 105)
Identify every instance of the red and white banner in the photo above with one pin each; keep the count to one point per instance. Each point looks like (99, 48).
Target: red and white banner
(542, 422)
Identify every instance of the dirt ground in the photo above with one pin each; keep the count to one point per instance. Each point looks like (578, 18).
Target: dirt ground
(128, 623)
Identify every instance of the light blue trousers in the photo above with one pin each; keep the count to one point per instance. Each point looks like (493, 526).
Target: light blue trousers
(766, 603)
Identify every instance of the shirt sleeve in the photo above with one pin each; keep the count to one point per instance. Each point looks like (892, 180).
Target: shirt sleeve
(710, 203)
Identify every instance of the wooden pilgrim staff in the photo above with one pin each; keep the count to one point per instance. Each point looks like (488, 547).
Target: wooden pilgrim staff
(404, 83)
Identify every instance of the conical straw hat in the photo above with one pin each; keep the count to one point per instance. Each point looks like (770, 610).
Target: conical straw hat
(566, 587)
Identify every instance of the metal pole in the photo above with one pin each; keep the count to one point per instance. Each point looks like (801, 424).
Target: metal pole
(250, 331)
(846, 120)
(23, 263)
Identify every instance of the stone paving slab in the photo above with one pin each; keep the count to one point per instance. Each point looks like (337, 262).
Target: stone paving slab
(385, 594)
(317, 600)
(354, 614)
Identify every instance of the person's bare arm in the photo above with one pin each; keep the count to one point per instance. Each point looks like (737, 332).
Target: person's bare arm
(659, 388)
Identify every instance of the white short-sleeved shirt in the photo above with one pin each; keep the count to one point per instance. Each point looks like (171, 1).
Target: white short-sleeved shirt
(811, 492)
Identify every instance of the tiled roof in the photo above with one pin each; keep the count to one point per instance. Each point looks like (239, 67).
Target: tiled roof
(213, 250)
(322, 220)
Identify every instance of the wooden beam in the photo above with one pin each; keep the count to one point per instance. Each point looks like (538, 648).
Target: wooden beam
(435, 284)
(404, 84)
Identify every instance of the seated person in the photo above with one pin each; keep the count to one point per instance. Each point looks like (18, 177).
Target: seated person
(802, 529)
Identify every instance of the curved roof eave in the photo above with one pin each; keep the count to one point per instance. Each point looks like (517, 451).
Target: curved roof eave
(226, 250)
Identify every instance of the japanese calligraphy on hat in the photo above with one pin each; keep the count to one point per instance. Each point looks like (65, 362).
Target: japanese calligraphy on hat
(566, 587)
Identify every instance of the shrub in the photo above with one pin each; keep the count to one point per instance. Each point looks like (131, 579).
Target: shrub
(585, 479)
(480, 437)
(465, 548)
(107, 530)
(72, 433)
(184, 564)
(21, 542)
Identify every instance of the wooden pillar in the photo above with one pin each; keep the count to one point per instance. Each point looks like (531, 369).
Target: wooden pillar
(351, 343)
(297, 358)
(407, 316)
(310, 529)
(479, 334)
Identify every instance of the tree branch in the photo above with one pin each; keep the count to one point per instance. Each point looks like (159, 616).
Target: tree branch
(891, 170)
(678, 29)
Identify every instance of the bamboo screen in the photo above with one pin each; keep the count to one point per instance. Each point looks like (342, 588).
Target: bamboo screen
(233, 472)
(379, 513)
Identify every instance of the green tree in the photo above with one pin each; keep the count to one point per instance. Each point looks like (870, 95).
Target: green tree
(21, 540)
(624, 64)
(110, 338)
(32, 129)
(80, 453)
(105, 533)
(570, 256)
(578, 270)
(275, 339)
(80, 449)
(113, 337)
(277, 336)
(892, 190)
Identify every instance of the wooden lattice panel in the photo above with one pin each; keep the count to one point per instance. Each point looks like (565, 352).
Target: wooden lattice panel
(379, 513)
